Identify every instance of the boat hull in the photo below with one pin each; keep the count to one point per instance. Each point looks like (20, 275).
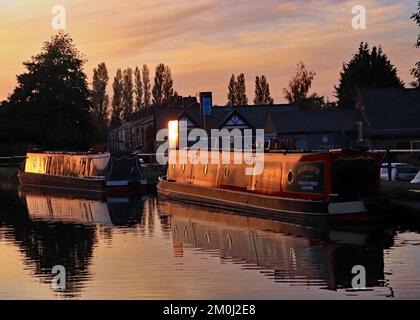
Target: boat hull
(61, 182)
(85, 185)
(266, 206)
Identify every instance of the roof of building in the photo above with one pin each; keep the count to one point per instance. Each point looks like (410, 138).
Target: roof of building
(254, 115)
(390, 108)
(311, 121)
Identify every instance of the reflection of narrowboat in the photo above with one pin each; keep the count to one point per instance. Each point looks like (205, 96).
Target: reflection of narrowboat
(294, 253)
(340, 184)
(87, 210)
(82, 172)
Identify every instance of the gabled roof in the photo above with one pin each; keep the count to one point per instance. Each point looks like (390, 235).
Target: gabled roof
(164, 115)
(312, 121)
(390, 109)
(255, 116)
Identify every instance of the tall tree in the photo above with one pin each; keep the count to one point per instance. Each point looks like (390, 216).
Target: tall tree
(168, 90)
(138, 90)
(100, 99)
(51, 105)
(157, 91)
(117, 86)
(262, 92)
(146, 87)
(127, 100)
(241, 98)
(232, 91)
(415, 72)
(368, 68)
(299, 86)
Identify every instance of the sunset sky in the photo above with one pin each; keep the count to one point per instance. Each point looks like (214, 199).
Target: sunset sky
(205, 41)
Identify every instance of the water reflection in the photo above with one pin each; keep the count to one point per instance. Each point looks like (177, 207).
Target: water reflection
(284, 252)
(145, 248)
(53, 229)
(118, 211)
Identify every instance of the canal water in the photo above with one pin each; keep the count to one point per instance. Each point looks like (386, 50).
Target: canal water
(149, 249)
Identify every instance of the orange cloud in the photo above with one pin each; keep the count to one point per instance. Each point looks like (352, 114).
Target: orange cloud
(205, 41)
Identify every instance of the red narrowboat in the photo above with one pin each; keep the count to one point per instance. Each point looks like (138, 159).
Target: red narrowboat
(336, 183)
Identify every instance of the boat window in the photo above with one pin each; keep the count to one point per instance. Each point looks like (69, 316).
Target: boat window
(35, 163)
(183, 167)
(226, 173)
(173, 166)
(206, 168)
(48, 165)
(290, 177)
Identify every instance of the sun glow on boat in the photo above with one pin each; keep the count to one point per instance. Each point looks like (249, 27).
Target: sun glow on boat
(173, 134)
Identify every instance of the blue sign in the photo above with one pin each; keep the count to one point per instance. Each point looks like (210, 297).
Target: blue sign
(206, 104)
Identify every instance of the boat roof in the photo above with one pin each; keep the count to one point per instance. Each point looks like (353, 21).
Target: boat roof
(89, 154)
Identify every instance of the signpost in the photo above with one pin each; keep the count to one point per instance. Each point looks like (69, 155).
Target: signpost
(206, 102)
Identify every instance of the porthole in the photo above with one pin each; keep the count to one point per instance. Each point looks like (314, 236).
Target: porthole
(206, 168)
(290, 177)
(226, 172)
(183, 167)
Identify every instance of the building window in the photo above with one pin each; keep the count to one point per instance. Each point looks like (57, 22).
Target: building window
(236, 122)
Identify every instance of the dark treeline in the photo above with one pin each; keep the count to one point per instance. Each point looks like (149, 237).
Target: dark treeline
(52, 106)
(133, 94)
(369, 68)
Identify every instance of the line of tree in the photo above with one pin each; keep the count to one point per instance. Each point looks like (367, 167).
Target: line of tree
(133, 94)
(369, 68)
(296, 92)
(237, 91)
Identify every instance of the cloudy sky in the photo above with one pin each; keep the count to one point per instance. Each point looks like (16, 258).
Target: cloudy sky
(205, 41)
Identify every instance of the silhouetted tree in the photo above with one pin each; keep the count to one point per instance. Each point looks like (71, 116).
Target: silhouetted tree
(138, 89)
(157, 91)
(168, 91)
(163, 92)
(262, 92)
(299, 86)
(117, 86)
(241, 98)
(368, 68)
(232, 91)
(127, 101)
(146, 87)
(51, 104)
(415, 72)
(100, 99)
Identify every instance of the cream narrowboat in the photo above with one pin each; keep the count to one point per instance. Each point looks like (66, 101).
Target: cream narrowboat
(82, 172)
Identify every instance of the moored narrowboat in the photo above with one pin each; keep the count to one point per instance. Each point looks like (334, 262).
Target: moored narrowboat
(339, 183)
(82, 172)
